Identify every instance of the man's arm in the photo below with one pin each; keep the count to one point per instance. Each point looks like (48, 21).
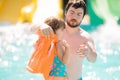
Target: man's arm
(44, 28)
(87, 49)
(91, 52)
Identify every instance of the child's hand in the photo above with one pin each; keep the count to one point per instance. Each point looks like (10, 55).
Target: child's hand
(65, 44)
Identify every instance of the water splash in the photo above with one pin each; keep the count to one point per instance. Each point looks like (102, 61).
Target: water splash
(16, 46)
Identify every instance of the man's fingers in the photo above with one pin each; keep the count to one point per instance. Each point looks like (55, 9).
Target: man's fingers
(81, 54)
(51, 30)
(45, 32)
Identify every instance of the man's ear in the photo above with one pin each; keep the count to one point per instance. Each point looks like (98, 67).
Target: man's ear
(65, 13)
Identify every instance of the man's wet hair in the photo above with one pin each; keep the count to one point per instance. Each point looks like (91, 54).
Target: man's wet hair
(76, 4)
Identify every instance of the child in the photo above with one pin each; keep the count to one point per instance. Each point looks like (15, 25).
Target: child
(58, 71)
(61, 56)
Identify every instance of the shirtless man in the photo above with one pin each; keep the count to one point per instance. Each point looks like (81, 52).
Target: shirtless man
(82, 45)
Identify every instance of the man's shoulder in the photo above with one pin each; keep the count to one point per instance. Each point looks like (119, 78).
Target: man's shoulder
(86, 35)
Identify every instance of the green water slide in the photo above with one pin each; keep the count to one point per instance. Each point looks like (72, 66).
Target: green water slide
(100, 10)
(114, 6)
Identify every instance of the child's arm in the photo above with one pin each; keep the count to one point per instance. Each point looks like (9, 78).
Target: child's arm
(66, 55)
(63, 49)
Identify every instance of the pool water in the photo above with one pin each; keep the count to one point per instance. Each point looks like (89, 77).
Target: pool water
(107, 65)
(16, 46)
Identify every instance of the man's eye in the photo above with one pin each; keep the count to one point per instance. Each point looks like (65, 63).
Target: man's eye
(79, 14)
(71, 13)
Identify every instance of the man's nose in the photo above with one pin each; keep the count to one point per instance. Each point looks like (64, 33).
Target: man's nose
(74, 16)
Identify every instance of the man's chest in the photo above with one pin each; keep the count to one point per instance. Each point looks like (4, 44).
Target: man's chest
(74, 41)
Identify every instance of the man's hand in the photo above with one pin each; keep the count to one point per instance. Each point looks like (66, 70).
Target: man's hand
(46, 30)
(83, 50)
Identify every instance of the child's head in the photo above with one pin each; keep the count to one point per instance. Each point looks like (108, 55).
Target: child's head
(56, 24)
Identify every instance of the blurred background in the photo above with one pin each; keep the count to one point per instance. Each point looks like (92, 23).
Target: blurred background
(102, 21)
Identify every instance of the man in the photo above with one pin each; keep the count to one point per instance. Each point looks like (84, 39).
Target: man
(81, 43)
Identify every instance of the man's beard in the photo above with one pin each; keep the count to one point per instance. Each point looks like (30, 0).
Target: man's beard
(72, 25)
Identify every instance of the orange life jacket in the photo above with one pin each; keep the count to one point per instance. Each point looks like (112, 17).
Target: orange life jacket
(43, 55)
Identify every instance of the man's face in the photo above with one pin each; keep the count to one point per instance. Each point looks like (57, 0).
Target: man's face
(74, 16)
